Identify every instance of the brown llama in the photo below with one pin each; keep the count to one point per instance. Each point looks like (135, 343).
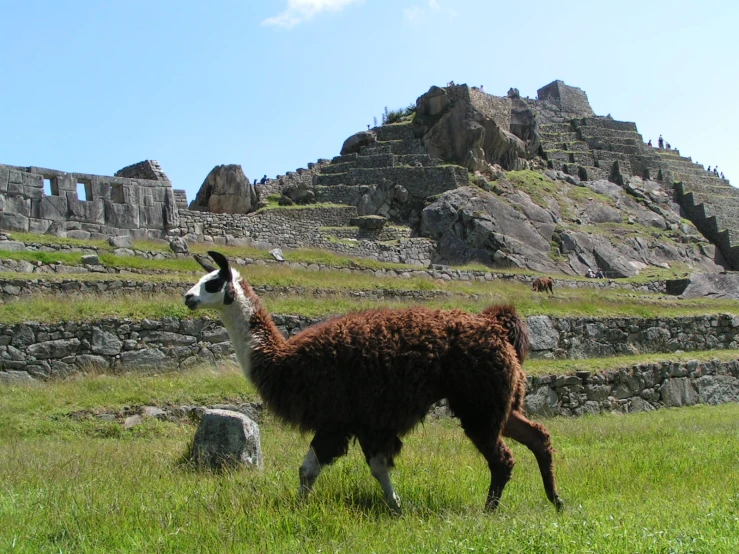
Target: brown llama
(374, 375)
(543, 284)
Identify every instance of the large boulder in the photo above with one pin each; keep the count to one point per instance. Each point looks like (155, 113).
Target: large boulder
(299, 194)
(226, 190)
(353, 144)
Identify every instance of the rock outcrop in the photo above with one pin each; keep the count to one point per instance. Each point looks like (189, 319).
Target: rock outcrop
(552, 225)
(469, 128)
(226, 190)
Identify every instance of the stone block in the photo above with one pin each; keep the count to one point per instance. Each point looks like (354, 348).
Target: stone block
(678, 392)
(121, 241)
(4, 173)
(38, 226)
(78, 234)
(226, 438)
(53, 349)
(148, 358)
(16, 204)
(121, 216)
(14, 376)
(151, 216)
(542, 333)
(105, 343)
(12, 246)
(13, 222)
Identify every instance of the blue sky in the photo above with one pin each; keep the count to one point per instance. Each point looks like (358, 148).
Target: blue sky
(92, 86)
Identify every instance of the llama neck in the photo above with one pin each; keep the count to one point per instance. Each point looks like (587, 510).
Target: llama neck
(254, 336)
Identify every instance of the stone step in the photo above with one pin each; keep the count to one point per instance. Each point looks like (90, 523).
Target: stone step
(560, 138)
(406, 147)
(610, 133)
(398, 131)
(331, 179)
(556, 128)
(337, 168)
(583, 172)
(599, 122)
(384, 148)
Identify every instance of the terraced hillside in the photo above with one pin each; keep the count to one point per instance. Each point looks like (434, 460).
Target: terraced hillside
(61, 314)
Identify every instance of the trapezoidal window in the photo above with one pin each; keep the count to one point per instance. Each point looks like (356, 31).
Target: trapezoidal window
(51, 187)
(116, 193)
(84, 190)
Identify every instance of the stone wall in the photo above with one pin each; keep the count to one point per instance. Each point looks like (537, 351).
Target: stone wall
(496, 108)
(110, 205)
(568, 99)
(148, 169)
(640, 388)
(44, 351)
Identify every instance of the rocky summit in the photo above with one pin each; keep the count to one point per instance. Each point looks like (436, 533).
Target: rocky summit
(461, 176)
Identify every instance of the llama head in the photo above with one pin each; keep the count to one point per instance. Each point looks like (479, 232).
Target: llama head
(216, 289)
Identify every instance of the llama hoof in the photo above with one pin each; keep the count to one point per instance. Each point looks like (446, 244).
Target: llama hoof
(491, 506)
(395, 509)
(558, 504)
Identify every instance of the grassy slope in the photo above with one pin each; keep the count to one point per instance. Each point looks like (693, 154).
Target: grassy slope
(661, 482)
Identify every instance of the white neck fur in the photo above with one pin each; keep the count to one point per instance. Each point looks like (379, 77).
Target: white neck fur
(236, 318)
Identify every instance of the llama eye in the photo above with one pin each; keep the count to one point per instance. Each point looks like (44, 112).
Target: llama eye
(214, 286)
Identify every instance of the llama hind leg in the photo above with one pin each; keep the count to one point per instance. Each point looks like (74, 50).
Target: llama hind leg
(537, 439)
(325, 447)
(380, 463)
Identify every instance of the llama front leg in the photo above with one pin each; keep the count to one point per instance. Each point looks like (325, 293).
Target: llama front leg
(380, 469)
(326, 446)
(309, 472)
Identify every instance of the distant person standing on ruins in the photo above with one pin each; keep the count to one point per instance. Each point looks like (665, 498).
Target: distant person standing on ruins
(667, 145)
(709, 169)
(264, 180)
(661, 142)
(649, 143)
(722, 175)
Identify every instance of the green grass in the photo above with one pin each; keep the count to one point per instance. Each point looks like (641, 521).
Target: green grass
(302, 256)
(666, 481)
(336, 298)
(51, 240)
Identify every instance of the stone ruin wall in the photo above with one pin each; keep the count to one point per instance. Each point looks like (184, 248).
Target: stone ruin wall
(43, 351)
(570, 100)
(142, 208)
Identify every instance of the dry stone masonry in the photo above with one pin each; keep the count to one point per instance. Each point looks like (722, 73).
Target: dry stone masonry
(42, 351)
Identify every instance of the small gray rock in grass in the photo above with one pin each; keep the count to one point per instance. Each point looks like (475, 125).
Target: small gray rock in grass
(226, 438)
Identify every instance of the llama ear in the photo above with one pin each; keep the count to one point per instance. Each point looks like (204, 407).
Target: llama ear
(204, 263)
(222, 262)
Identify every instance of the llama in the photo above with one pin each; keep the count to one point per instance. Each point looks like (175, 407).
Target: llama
(374, 375)
(543, 284)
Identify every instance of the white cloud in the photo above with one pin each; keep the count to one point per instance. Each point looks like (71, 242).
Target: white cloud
(299, 11)
(415, 15)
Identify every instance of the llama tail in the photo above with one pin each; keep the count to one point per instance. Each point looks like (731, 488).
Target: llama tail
(518, 332)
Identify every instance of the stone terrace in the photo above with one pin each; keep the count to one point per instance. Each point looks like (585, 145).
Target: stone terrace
(602, 148)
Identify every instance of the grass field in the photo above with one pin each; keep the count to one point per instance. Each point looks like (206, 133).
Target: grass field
(667, 481)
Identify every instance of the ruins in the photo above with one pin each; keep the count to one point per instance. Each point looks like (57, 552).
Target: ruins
(458, 136)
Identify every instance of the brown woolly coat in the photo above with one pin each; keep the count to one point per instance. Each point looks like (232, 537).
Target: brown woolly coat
(543, 284)
(378, 372)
